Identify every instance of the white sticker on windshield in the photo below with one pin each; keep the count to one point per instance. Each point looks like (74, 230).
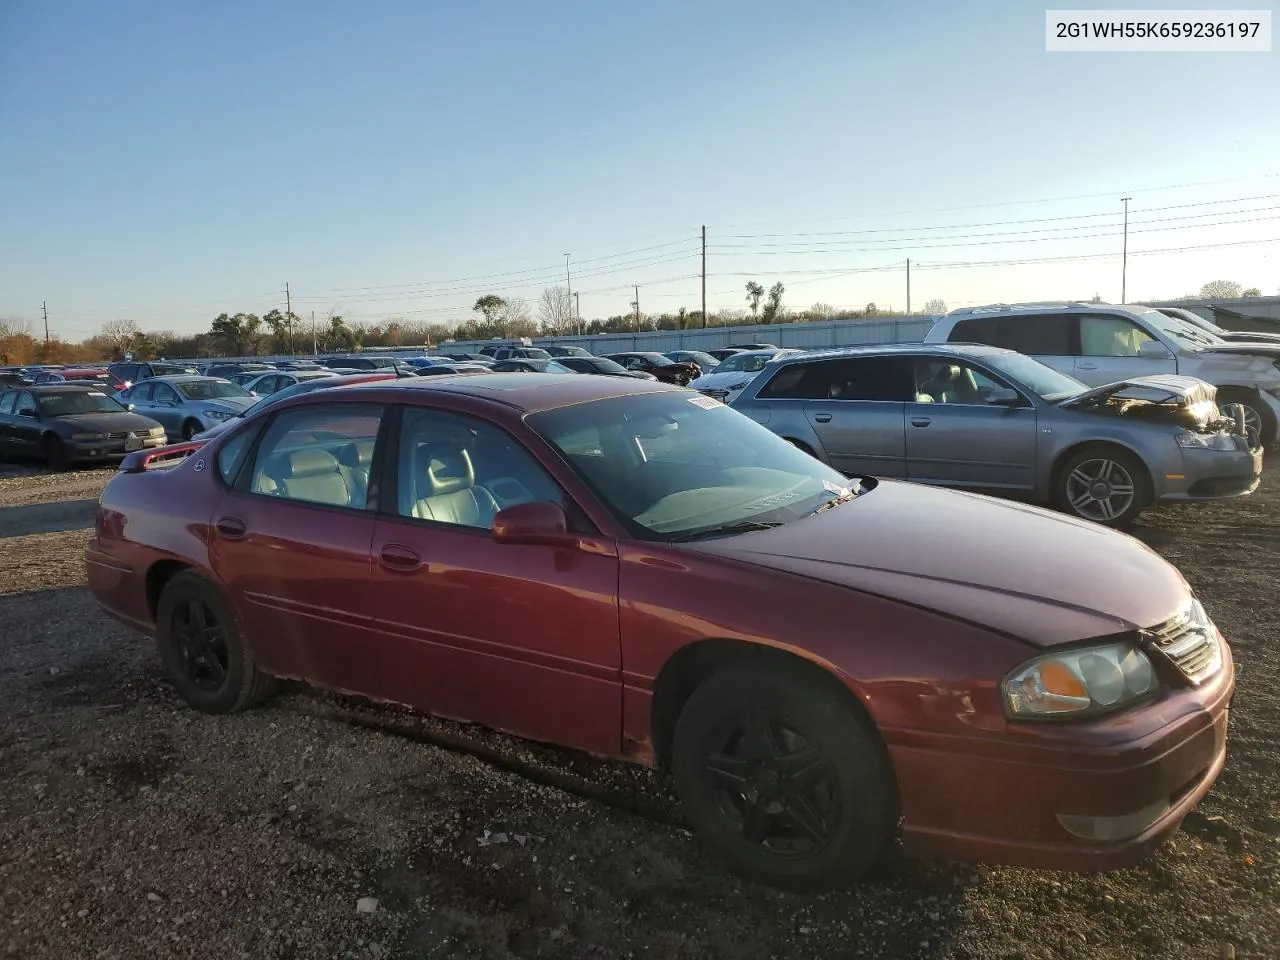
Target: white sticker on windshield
(706, 403)
(834, 488)
(95, 393)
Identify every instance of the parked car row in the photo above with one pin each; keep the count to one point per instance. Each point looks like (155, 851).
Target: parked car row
(972, 678)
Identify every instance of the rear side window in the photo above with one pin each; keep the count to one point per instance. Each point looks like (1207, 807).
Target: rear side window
(800, 381)
(1048, 335)
(871, 378)
(319, 455)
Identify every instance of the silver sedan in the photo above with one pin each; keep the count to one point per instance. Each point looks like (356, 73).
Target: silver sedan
(187, 405)
(992, 420)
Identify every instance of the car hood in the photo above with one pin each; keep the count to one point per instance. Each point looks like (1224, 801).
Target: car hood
(722, 381)
(1023, 571)
(105, 423)
(1190, 396)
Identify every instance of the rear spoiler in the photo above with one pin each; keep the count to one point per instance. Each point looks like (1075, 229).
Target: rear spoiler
(141, 460)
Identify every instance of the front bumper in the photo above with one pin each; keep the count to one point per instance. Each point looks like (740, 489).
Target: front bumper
(1212, 475)
(111, 448)
(1001, 802)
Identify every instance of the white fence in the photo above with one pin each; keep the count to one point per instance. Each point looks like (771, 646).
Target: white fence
(805, 336)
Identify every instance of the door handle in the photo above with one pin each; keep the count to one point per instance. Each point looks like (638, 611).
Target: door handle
(1087, 366)
(396, 556)
(231, 528)
(822, 417)
(920, 421)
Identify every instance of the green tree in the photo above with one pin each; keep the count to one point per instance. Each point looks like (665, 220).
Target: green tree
(755, 293)
(871, 310)
(238, 335)
(490, 306)
(774, 303)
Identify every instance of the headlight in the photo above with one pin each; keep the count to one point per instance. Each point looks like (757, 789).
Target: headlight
(157, 431)
(1089, 680)
(88, 436)
(216, 414)
(1205, 441)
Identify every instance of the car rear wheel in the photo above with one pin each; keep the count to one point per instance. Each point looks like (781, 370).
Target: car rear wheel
(1107, 485)
(782, 779)
(190, 429)
(1259, 423)
(55, 453)
(202, 650)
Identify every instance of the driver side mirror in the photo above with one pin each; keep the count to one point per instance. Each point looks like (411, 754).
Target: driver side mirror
(1154, 349)
(542, 523)
(1004, 397)
(131, 407)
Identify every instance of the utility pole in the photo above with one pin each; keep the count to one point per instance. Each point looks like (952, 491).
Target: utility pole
(315, 344)
(637, 306)
(1124, 256)
(288, 313)
(577, 314)
(908, 286)
(567, 285)
(704, 276)
(44, 306)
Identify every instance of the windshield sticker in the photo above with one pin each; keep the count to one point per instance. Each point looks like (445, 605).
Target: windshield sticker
(706, 403)
(96, 393)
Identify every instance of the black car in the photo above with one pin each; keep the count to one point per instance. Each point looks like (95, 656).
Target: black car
(602, 366)
(662, 368)
(705, 361)
(444, 369)
(65, 422)
(467, 357)
(724, 353)
(228, 370)
(755, 346)
(128, 372)
(559, 352)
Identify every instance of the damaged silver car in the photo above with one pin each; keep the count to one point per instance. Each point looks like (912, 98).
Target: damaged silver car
(995, 421)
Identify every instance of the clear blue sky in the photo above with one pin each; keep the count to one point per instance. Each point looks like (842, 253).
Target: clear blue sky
(165, 161)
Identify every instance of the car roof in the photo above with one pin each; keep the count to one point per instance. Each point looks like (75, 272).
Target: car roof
(896, 349)
(64, 387)
(177, 378)
(1047, 306)
(529, 393)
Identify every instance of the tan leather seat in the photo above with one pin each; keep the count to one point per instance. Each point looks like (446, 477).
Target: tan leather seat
(450, 479)
(355, 460)
(312, 475)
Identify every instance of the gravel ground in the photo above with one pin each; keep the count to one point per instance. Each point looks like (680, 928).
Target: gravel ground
(131, 826)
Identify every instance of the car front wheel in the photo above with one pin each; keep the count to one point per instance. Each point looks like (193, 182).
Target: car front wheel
(1259, 423)
(1107, 485)
(55, 453)
(190, 429)
(782, 779)
(202, 650)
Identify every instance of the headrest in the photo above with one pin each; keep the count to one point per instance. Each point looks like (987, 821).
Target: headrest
(357, 455)
(302, 463)
(948, 374)
(449, 468)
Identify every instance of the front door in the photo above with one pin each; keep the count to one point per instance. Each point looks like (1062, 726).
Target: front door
(860, 424)
(25, 429)
(955, 437)
(520, 638)
(290, 542)
(1110, 350)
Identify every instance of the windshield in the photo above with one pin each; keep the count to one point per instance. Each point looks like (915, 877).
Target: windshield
(744, 362)
(1044, 381)
(700, 358)
(670, 465)
(210, 389)
(1179, 329)
(657, 359)
(603, 365)
(1194, 319)
(533, 353)
(72, 404)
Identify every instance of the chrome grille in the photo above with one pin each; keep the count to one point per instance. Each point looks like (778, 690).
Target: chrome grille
(1190, 646)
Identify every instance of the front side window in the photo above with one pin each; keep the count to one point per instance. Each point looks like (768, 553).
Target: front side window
(1103, 335)
(1037, 377)
(231, 454)
(163, 393)
(25, 404)
(671, 466)
(7, 401)
(142, 393)
(950, 381)
(459, 470)
(319, 455)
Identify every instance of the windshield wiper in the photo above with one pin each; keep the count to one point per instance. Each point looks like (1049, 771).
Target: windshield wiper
(746, 526)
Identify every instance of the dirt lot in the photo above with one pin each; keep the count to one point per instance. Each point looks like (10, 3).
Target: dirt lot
(131, 826)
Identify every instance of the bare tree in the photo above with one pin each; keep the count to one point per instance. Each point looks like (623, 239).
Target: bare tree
(516, 319)
(1251, 292)
(555, 310)
(823, 311)
(935, 307)
(120, 335)
(1220, 290)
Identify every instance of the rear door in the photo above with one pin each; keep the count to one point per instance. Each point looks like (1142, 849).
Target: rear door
(290, 541)
(955, 437)
(1110, 350)
(860, 420)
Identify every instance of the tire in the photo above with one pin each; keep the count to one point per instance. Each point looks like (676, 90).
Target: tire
(55, 452)
(831, 808)
(1091, 483)
(215, 672)
(190, 429)
(1260, 422)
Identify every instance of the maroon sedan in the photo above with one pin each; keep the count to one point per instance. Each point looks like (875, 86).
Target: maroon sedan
(661, 367)
(826, 665)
